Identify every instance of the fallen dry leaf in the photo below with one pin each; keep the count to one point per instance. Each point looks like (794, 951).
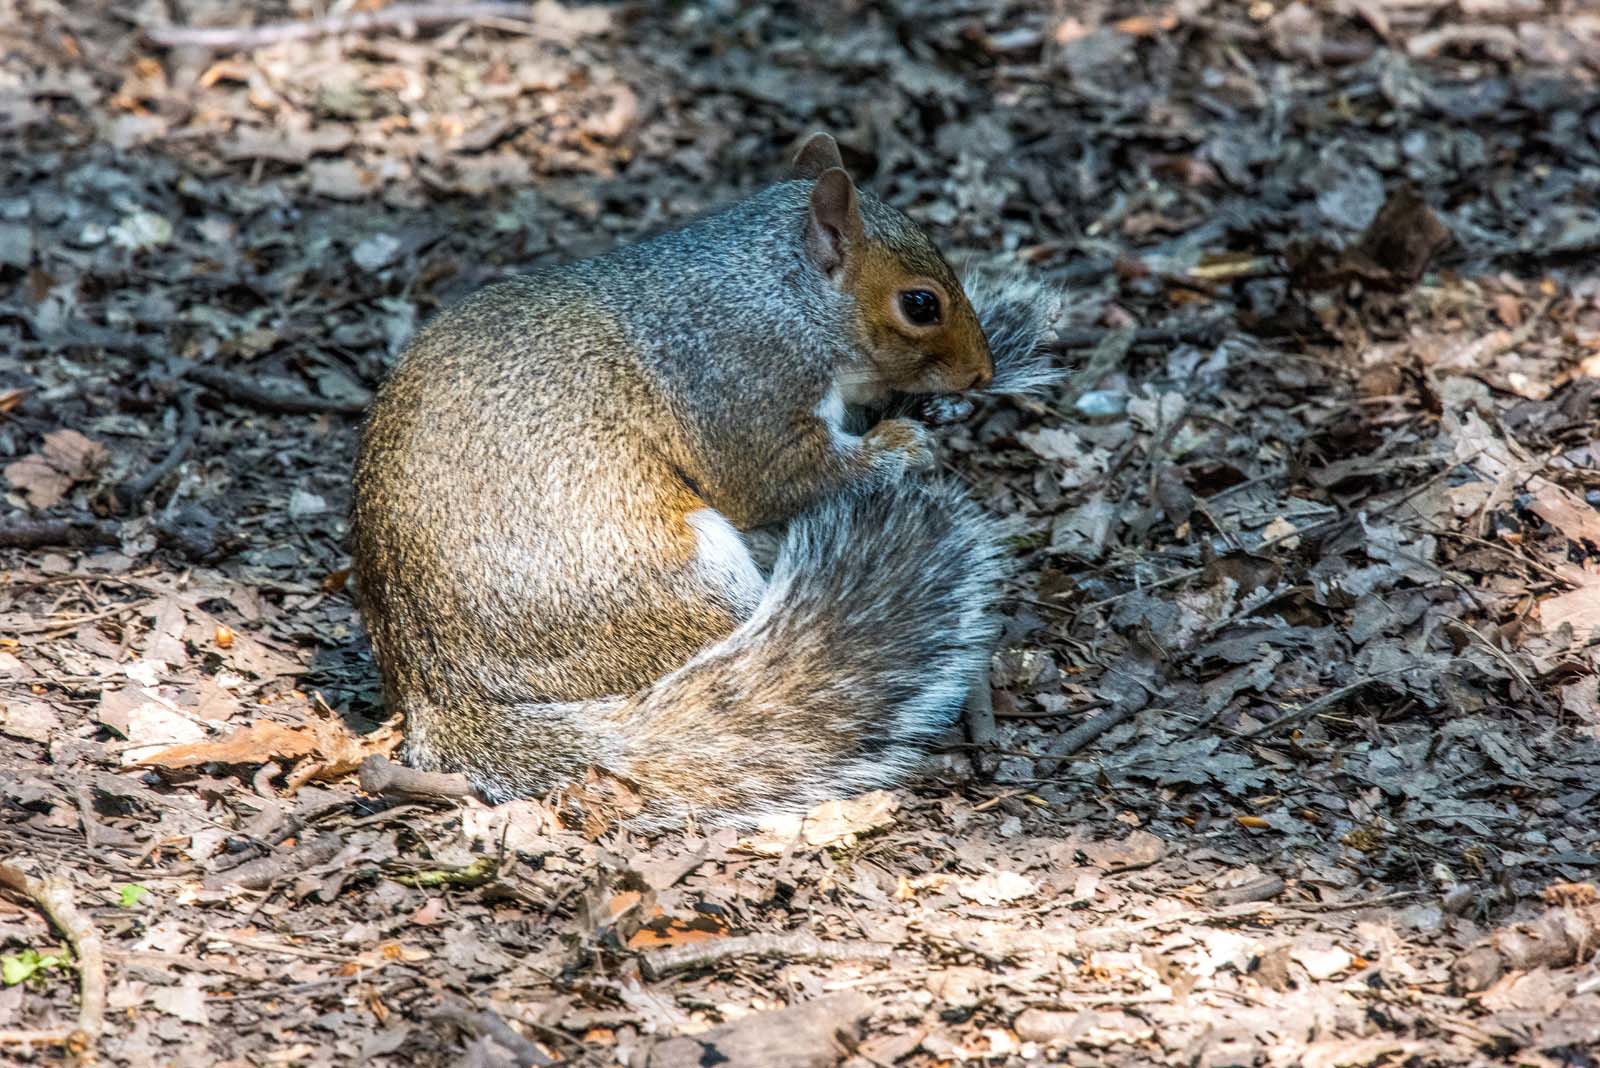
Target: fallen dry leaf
(997, 888)
(64, 458)
(150, 722)
(1579, 608)
(37, 480)
(260, 742)
(335, 750)
(523, 825)
(28, 718)
(832, 823)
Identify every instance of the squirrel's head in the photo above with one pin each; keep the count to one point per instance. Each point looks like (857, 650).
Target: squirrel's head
(917, 329)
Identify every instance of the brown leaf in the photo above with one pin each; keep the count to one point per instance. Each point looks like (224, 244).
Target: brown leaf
(340, 751)
(72, 454)
(35, 479)
(1562, 936)
(1404, 237)
(1508, 309)
(65, 457)
(602, 799)
(1579, 607)
(831, 823)
(1392, 254)
(1146, 25)
(262, 741)
(1571, 894)
(1568, 513)
(657, 928)
(808, 1034)
(29, 718)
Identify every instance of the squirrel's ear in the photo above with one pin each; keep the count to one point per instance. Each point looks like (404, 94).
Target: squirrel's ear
(818, 154)
(833, 225)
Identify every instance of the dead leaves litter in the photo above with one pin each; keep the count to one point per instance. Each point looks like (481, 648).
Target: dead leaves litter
(331, 749)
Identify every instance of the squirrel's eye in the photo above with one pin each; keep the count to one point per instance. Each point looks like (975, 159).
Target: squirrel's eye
(920, 307)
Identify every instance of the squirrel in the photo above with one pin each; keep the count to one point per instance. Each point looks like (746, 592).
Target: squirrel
(554, 486)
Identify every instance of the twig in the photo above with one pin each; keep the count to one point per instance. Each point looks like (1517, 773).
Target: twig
(220, 38)
(1263, 889)
(1087, 706)
(82, 533)
(380, 775)
(985, 806)
(1083, 734)
(1494, 546)
(979, 718)
(286, 401)
(54, 897)
(262, 945)
(51, 628)
(797, 945)
(127, 495)
(260, 873)
(485, 1024)
(1204, 333)
(1306, 711)
(36, 1037)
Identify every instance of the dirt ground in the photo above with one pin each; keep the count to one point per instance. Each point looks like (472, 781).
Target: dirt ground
(1296, 747)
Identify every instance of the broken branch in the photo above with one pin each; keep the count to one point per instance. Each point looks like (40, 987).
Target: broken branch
(76, 533)
(380, 775)
(285, 401)
(54, 898)
(127, 495)
(796, 945)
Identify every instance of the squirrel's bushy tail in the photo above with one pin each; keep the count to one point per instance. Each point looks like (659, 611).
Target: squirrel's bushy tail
(1016, 311)
(875, 624)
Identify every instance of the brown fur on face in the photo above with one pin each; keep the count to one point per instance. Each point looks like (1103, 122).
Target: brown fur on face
(947, 357)
(876, 255)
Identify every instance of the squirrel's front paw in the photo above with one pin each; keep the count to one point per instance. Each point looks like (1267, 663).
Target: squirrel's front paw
(900, 445)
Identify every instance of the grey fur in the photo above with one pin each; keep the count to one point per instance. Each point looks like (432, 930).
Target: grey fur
(1016, 312)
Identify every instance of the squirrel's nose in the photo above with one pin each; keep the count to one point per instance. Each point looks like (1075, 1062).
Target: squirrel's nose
(982, 377)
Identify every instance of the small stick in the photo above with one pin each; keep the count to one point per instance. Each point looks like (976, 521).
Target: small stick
(797, 945)
(1263, 889)
(81, 533)
(980, 721)
(1306, 711)
(218, 38)
(51, 628)
(286, 401)
(57, 1037)
(484, 1023)
(380, 775)
(1203, 333)
(1083, 734)
(1087, 706)
(54, 897)
(262, 872)
(128, 494)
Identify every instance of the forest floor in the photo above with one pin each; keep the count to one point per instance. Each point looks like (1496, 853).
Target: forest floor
(1310, 540)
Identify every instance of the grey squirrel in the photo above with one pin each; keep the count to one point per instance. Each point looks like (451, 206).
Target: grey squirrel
(553, 484)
